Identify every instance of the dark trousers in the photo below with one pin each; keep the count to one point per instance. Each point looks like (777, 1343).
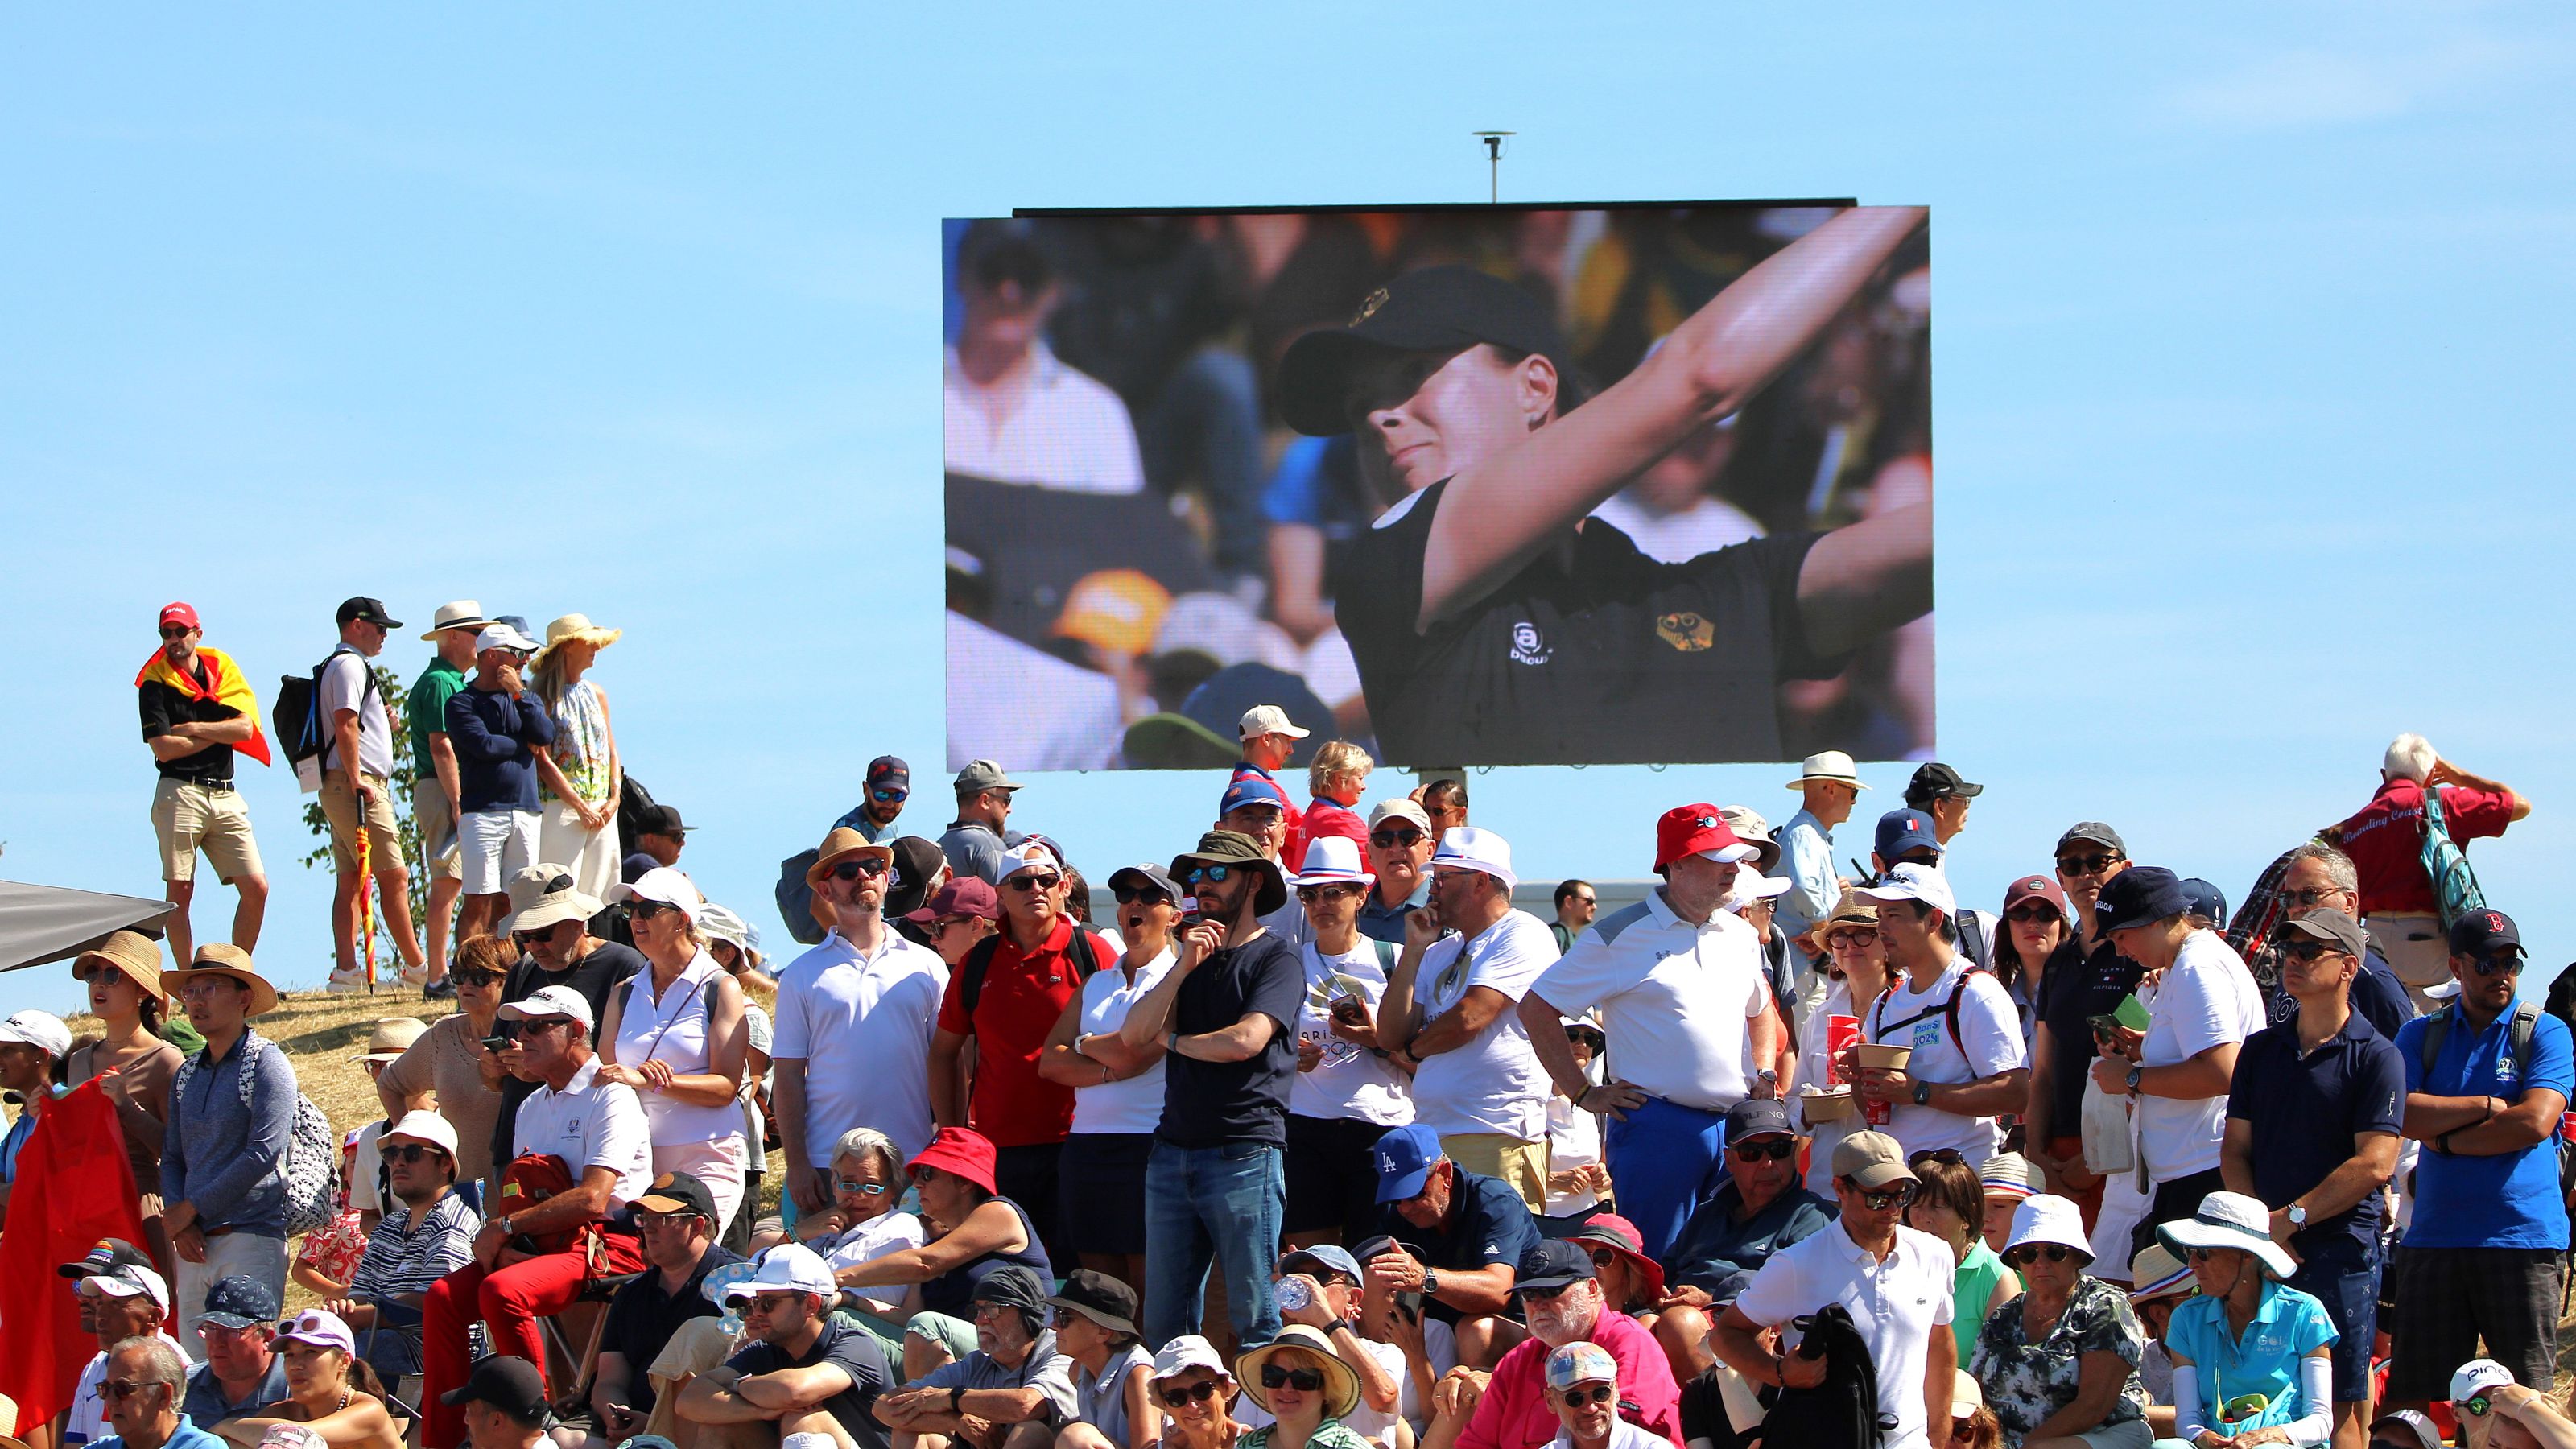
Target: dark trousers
(2174, 1201)
(1027, 1176)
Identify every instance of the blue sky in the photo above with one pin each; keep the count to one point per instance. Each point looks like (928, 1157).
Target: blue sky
(2251, 338)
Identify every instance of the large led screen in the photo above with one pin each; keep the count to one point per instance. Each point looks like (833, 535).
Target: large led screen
(1465, 485)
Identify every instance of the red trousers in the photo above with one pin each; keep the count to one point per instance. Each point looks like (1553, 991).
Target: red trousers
(509, 1301)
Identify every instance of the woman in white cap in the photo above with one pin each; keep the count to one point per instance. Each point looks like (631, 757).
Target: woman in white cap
(676, 1033)
(32, 1047)
(123, 977)
(1196, 1394)
(580, 771)
(329, 1389)
(1305, 1388)
(2059, 1362)
(2234, 1386)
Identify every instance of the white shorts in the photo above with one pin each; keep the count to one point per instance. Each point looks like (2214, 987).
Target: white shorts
(2123, 1208)
(496, 845)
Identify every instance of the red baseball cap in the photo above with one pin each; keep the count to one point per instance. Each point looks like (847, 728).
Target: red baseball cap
(1697, 830)
(2040, 886)
(960, 1150)
(180, 614)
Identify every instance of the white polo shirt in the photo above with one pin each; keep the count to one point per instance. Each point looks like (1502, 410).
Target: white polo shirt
(1493, 1083)
(1897, 1304)
(1676, 999)
(1044, 424)
(589, 1124)
(861, 1025)
(1989, 1032)
(2206, 998)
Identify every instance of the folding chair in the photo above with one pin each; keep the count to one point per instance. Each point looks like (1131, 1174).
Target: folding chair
(579, 1365)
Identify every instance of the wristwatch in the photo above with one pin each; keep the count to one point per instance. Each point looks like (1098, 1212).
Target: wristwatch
(1430, 1284)
(1922, 1094)
(2133, 1079)
(2298, 1215)
(503, 1223)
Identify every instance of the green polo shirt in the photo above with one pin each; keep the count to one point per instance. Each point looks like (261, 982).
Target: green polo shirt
(427, 707)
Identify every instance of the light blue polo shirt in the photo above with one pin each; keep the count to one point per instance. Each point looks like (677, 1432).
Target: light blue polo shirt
(2507, 1201)
(2287, 1326)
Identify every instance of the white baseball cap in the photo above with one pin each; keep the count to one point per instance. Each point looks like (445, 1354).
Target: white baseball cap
(1751, 886)
(502, 636)
(551, 1001)
(1913, 882)
(667, 885)
(1027, 855)
(792, 1267)
(426, 1126)
(38, 1028)
(1471, 847)
(1268, 719)
(2476, 1374)
(130, 1280)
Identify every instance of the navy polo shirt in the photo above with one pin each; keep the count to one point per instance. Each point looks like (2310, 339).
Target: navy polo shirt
(2306, 1109)
(1488, 1224)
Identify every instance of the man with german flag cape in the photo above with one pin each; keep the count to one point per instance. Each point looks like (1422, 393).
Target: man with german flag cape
(198, 713)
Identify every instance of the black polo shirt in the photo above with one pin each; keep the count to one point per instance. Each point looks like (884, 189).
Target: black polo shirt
(856, 1352)
(1488, 1224)
(2076, 985)
(2305, 1110)
(1217, 1104)
(1597, 655)
(642, 1318)
(163, 706)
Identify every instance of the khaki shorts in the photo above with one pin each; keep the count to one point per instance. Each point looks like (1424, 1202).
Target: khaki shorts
(1522, 1165)
(340, 807)
(430, 815)
(189, 817)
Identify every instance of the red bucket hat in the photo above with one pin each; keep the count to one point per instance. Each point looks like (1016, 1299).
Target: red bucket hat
(1620, 1236)
(960, 1150)
(1693, 829)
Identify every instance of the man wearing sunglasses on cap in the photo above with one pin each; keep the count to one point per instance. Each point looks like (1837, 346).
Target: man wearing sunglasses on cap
(1895, 1281)
(2487, 1079)
(428, 1236)
(549, 922)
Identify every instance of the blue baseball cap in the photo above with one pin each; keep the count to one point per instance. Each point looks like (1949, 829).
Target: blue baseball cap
(1251, 790)
(1902, 830)
(2206, 899)
(1554, 1263)
(1328, 1256)
(1404, 1157)
(238, 1302)
(2139, 896)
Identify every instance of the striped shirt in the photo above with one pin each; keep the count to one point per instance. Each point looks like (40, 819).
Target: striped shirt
(401, 1259)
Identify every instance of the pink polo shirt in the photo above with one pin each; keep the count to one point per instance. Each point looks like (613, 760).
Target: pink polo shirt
(1513, 1414)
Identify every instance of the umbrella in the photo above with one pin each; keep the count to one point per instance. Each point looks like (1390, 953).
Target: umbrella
(41, 923)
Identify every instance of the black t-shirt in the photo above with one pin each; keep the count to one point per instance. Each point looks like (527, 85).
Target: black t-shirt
(594, 976)
(2076, 986)
(1212, 1104)
(642, 1318)
(163, 707)
(852, 1349)
(1614, 658)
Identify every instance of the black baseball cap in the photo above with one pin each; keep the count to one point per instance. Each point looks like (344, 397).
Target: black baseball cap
(678, 1192)
(2480, 932)
(508, 1384)
(1434, 309)
(908, 879)
(2139, 896)
(1757, 1117)
(107, 1253)
(371, 610)
(662, 820)
(1553, 1264)
(2091, 832)
(1937, 781)
(1102, 1299)
(889, 770)
(2413, 1426)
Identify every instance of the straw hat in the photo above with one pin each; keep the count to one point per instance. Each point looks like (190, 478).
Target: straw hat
(571, 627)
(842, 843)
(225, 959)
(391, 1036)
(9, 1424)
(134, 954)
(1341, 1382)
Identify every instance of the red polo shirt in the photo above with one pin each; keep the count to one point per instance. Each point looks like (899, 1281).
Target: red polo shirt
(2386, 840)
(1024, 993)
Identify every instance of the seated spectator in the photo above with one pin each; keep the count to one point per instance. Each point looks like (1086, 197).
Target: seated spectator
(1013, 1386)
(1633, 1284)
(503, 1403)
(242, 1371)
(1327, 1299)
(1951, 1206)
(1972, 1424)
(1095, 1326)
(328, 1389)
(675, 1221)
(863, 1224)
(427, 1234)
(2497, 1413)
(802, 1369)
(1583, 1392)
(2162, 1282)
(2059, 1360)
(448, 1067)
(974, 1233)
(549, 921)
(1305, 1390)
(1196, 1394)
(2229, 1380)
(1757, 1210)
(1453, 1236)
(121, 1297)
(1562, 1301)
(146, 1412)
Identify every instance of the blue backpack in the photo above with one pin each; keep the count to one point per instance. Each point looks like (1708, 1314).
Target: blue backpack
(2455, 886)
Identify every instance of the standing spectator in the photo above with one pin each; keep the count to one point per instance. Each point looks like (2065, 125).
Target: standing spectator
(1677, 981)
(852, 1047)
(2385, 839)
(1269, 741)
(357, 764)
(2205, 1007)
(1907, 837)
(1578, 1181)
(597, 1130)
(955, 920)
(1576, 904)
(448, 1067)
(1117, 1089)
(196, 709)
(1334, 781)
(2059, 1361)
(1455, 1237)
(2487, 1079)
(676, 1034)
(2313, 1112)
(1449, 1014)
(550, 921)
(580, 770)
(1035, 965)
(497, 729)
(133, 1064)
(1967, 1066)
(1561, 1296)
(32, 1047)
(1938, 791)
(676, 1224)
(1348, 1091)
(1858, 974)
(1829, 785)
(660, 836)
(427, 1232)
(242, 1373)
(2322, 877)
(2034, 926)
(2250, 1354)
(1399, 844)
(1445, 803)
(808, 1372)
(975, 841)
(1226, 1014)
(1758, 1209)
(1095, 1326)
(1894, 1281)
(889, 784)
(2085, 977)
(436, 783)
(223, 1154)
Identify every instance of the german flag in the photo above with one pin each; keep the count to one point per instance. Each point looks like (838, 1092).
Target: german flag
(225, 686)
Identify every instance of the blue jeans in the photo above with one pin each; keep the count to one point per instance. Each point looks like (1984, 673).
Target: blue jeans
(1220, 1203)
(1664, 1160)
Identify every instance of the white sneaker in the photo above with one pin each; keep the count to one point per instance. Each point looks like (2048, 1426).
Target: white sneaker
(347, 981)
(416, 976)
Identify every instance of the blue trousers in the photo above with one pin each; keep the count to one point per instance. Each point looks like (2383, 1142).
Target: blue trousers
(1663, 1161)
(1219, 1205)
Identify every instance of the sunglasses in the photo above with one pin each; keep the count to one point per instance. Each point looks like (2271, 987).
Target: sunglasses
(2088, 864)
(1326, 892)
(1200, 1392)
(540, 1028)
(2034, 914)
(176, 631)
(2502, 963)
(945, 922)
(1881, 1199)
(1576, 1398)
(1542, 1295)
(772, 1302)
(1130, 895)
(853, 869)
(476, 978)
(2476, 1406)
(1304, 1381)
(2203, 1255)
(1034, 882)
(2304, 951)
(1604, 1258)
(646, 910)
(122, 1389)
(2029, 1253)
(1962, 1428)
(1206, 874)
(1947, 1156)
(862, 1189)
(889, 797)
(413, 1152)
(2312, 896)
(1394, 839)
(1778, 1151)
(530, 940)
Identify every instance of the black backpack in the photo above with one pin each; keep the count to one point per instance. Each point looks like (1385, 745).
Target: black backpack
(295, 716)
(979, 960)
(1842, 1412)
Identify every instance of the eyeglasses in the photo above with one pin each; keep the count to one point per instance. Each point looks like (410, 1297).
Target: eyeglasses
(1034, 882)
(1326, 892)
(475, 978)
(122, 1389)
(2502, 963)
(198, 990)
(1304, 1381)
(2093, 864)
(2029, 1253)
(1395, 839)
(1778, 1150)
(2036, 913)
(862, 1189)
(1130, 895)
(413, 1152)
(863, 865)
(889, 797)
(1576, 1398)
(1882, 1198)
(1200, 1392)
(1206, 874)
(1851, 938)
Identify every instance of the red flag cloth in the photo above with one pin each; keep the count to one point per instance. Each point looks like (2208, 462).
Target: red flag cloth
(73, 1188)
